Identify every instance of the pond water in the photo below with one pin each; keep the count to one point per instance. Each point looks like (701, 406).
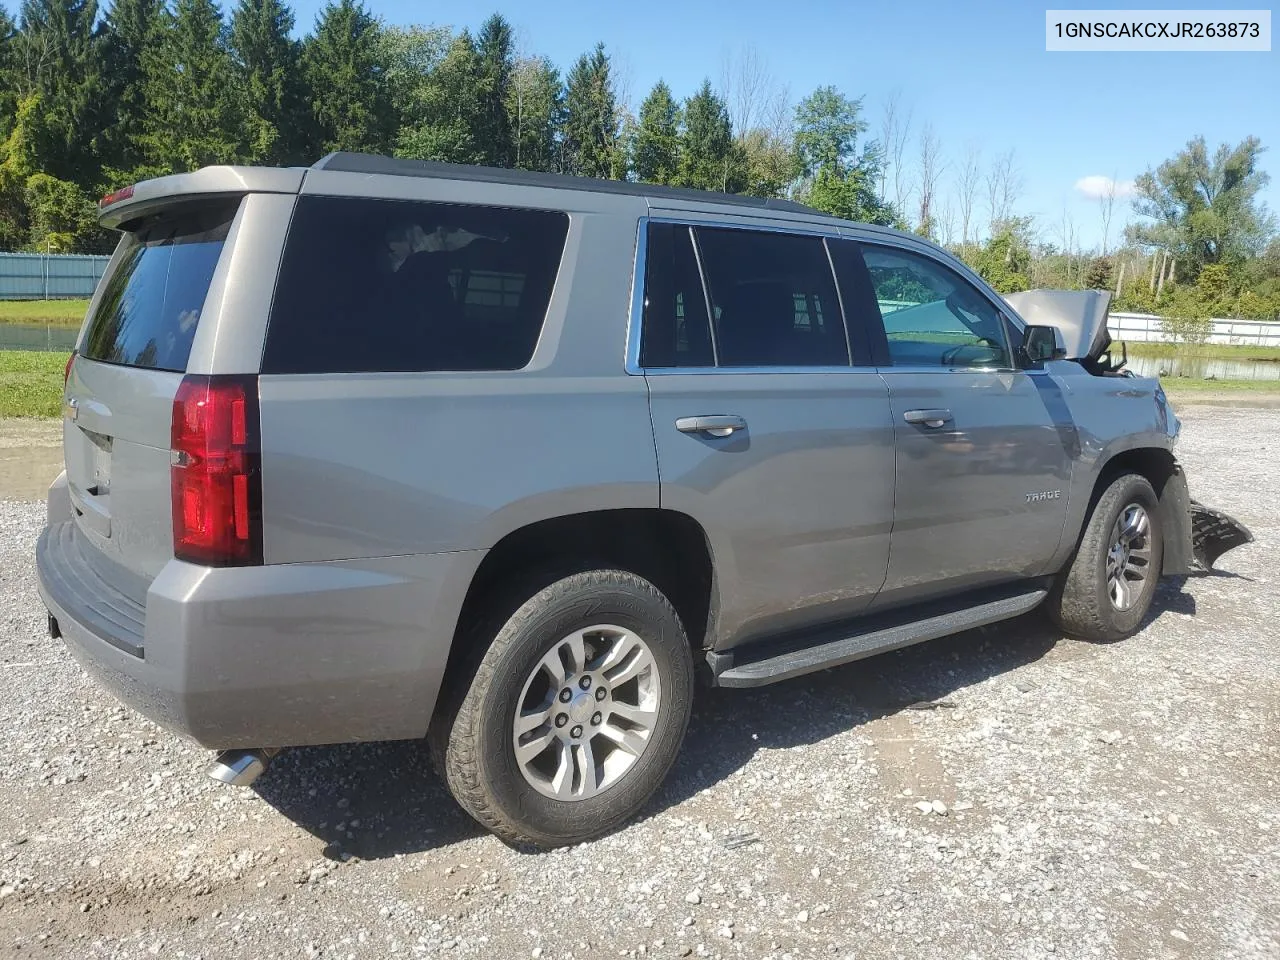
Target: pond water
(1205, 368)
(37, 336)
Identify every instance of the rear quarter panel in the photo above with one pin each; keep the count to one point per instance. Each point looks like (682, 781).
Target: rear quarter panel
(382, 464)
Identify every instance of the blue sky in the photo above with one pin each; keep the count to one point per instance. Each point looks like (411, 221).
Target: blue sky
(977, 75)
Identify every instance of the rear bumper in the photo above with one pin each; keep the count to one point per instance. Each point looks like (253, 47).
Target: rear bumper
(281, 655)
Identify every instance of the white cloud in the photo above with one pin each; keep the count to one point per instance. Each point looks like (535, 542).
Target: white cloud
(1097, 186)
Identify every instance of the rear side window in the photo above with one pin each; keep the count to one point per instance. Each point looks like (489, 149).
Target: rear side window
(385, 285)
(152, 298)
(773, 299)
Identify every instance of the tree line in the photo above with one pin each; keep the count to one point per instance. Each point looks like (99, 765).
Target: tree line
(91, 100)
(95, 98)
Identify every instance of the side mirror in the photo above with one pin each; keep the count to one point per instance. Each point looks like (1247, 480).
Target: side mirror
(1043, 343)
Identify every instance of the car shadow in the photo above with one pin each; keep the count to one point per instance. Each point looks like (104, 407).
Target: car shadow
(379, 800)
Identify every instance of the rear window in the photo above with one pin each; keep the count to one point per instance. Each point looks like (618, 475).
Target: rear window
(385, 285)
(152, 298)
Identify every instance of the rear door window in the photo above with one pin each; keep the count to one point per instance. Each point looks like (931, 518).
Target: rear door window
(773, 299)
(152, 298)
(385, 285)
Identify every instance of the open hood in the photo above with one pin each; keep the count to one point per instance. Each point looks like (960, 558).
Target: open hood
(1081, 315)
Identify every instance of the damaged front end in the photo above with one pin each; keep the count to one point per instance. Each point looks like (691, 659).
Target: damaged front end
(1213, 533)
(1195, 535)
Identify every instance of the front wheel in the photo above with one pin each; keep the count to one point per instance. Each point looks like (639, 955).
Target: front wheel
(1106, 591)
(575, 714)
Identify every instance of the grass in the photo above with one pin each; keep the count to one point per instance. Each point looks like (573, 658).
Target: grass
(1206, 351)
(31, 383)
(55, 312)
(1175, 386)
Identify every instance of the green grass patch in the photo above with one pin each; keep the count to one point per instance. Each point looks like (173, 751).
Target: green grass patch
(1178, 385)
(56, 312)
(31, 383)
(1205, 351)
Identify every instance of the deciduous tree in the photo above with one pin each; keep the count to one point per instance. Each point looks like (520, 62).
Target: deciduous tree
(833, 175)
(1205, 209)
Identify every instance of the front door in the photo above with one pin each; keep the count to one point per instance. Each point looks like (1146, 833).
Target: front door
(766, 434)
(984, 450)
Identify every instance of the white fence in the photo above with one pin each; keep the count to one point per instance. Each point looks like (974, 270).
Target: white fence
(1140, 327)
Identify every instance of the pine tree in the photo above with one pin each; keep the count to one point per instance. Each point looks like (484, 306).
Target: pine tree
(195, 113)
(132, 27)
(657, 150)
(496, 65)
(591, 117)
(708, 159)
(59, 52)
(8, 73)
(535, 104)
(267, 60)
(350, 109)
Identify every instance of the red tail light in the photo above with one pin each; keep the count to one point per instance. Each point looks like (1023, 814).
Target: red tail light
(124, 193)
(66, 371)
(216, 472)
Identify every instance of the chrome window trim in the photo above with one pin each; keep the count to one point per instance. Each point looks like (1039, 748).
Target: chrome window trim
(631, 362)
(706, 298)
(844, 317)
(632, 358)
(718, 371)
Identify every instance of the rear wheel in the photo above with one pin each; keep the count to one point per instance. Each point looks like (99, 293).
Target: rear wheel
(575, 714)
(1106, 591)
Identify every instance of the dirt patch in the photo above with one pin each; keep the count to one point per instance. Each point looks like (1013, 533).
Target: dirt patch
(30, 457)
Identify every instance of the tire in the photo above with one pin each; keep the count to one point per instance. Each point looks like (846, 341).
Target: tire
(1083, 601)
(528, 801)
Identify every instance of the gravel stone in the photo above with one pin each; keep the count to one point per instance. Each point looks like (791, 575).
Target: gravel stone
(1163, 840)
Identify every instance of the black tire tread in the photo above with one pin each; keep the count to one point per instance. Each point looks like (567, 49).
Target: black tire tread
(1075, 604)
(454, 740)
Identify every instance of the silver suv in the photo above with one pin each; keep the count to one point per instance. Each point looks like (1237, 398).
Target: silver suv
(384, 449)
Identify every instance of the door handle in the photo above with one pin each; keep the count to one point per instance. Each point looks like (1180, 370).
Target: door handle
(715, 426)
(932, 419)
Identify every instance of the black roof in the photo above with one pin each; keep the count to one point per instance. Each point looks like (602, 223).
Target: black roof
(368, 163)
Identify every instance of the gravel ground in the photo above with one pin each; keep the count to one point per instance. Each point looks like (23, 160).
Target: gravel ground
(1083, 801)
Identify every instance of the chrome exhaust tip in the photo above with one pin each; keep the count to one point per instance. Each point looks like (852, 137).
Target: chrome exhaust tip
(239, 768)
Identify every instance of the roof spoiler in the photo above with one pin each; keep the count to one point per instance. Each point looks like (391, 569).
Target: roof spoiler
(147, 196)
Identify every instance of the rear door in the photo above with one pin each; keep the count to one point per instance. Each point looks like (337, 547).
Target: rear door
(766, 432)
(984, 450)
(118, 404)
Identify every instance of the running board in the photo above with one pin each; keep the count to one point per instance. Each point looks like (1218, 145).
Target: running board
(820, 655)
